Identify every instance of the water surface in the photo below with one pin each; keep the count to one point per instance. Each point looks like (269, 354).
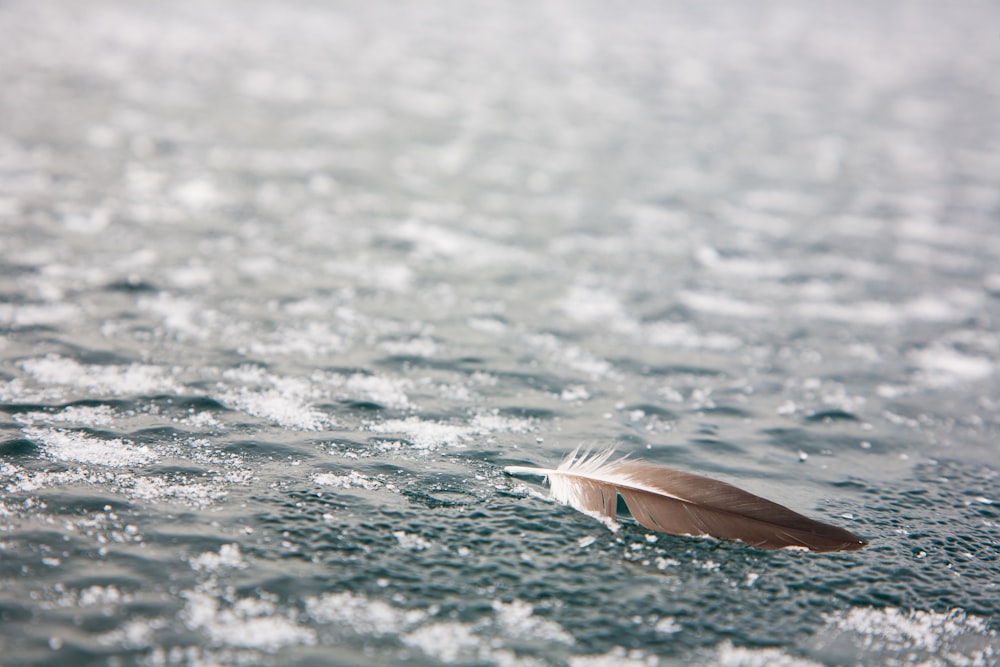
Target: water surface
(283, 286)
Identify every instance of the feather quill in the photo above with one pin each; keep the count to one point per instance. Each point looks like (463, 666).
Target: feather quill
(681, 503)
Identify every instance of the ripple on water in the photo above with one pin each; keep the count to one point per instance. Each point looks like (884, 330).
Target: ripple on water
(260, 363)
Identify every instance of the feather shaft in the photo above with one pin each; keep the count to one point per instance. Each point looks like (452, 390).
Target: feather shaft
(681, 503)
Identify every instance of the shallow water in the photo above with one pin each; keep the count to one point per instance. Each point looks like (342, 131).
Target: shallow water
(283, 286)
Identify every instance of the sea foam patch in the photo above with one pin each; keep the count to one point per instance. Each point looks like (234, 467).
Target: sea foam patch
(246, 622)
(282, 408)
(307, 340)
(589, 305)
(942, 365)
(362, 615)
(99, 415)
(388, 391)
(118, 380)
(425, 434)
(573, 356)
(286, 401)
(517, 619)
(431, 435)
(925, 308)
(28, 315)
(445, 640)
(80, 447)
(727, 655)
(684, 335)
(228, 557)
(432, 242)
(724, 305)
(156, 488)
(897, 636)
(352, 480)
(616, 657)
(149, 488)
(179, 315)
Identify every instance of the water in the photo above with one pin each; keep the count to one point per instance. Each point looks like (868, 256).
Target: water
(284, 286)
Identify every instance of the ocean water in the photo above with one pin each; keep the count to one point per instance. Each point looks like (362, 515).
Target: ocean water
(284, 285)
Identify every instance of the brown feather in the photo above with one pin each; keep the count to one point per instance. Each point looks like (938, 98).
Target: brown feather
(681, 503)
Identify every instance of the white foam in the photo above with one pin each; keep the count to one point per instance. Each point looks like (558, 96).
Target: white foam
(18, 479)
(190, 276)
(954, 305)
(493, 422)
(80, 447)
(668, 625)
(286, 401)
(133, 634)
(727, 655)
(432, 242)
(352, 480)
(589, 305)
(424, 434)
(992, 283)
(794, 203)
(415, 347)
(117, 380)
(113, 478)
(576, 392)
(155, 488)
(575, 244)
(250, 374)
(201, 420)
(229, 556)
(390, 392)
(616, 657)
(363, 615)
(495, 327)
(100, 595)
(445, 641)
(411, 541)
(517, 619)
(573, 356)
(431, 435)
(864, 312)
(583, 361)
(943, 365)
(721, 304)
(365, 271)
(928, 231)
(245, 623)
(950, 638)
(684, 336)
(741, 266)
(100, 415)
(198, 194)
(177, 314)
(309, 340)
(282, 408)
(924, 308)
(458, 392)
(27, 315)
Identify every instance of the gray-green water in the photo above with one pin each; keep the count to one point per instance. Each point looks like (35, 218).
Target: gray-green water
(283, 285)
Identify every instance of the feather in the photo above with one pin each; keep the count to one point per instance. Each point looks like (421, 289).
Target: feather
(680, 503)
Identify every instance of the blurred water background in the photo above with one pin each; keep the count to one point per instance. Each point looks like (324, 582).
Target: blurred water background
(283, 285)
